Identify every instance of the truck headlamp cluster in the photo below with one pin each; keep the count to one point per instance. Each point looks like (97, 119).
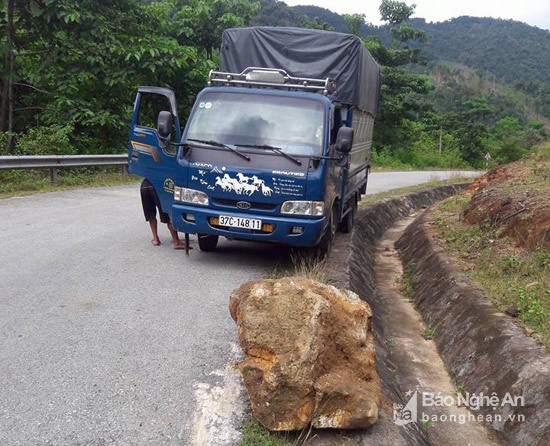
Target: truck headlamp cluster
(192, 196)
(314, 208)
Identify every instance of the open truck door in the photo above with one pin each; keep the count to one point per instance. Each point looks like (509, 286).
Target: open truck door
(155, 124)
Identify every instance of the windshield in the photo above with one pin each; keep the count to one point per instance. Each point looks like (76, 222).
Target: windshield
(294, 125)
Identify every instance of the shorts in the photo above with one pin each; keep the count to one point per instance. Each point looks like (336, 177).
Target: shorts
(150, 202)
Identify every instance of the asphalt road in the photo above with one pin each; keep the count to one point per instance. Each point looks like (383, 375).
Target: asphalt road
(106, 339)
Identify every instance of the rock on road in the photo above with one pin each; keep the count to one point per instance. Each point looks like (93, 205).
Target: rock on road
(107, 339)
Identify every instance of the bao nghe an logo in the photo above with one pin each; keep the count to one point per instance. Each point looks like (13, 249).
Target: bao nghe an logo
(429, 408)
(408, 414)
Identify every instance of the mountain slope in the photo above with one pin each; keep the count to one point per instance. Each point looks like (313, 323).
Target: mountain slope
(513, 51)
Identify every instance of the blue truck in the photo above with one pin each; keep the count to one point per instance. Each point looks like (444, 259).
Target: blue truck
(276, 148)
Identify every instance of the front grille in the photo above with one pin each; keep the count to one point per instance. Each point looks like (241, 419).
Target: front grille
(253, 205)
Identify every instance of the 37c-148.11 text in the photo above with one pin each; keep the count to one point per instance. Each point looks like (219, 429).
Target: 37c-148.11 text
(239, 222)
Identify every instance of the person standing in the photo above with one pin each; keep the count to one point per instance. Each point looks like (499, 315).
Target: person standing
(150, 202)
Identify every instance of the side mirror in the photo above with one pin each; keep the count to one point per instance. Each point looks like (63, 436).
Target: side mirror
(164, 124)
(344, 140)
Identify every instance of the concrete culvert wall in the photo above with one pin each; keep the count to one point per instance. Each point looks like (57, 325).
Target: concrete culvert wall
(483, 350)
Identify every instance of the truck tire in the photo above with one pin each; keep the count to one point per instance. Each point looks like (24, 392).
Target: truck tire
(347, 223)
(208, 242)
(328, 237)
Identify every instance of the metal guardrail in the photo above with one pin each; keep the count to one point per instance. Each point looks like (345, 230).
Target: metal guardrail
(54, 162)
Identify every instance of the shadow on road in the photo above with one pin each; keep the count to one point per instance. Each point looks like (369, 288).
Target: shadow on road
(272, 258)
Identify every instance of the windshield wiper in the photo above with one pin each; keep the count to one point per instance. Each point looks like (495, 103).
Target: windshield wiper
(220, 144)
(273, 149)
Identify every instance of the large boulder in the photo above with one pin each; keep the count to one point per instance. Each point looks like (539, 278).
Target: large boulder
(309, 354)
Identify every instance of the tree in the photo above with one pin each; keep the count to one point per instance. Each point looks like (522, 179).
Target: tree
(508, 134)
(318, 23)
(403, 93)
(6, 100)
(203, 21)
(468, 126)
(395, 12)
(79, 62)
(354, 22)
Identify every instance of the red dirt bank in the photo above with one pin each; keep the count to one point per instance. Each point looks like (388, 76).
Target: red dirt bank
(516, 199)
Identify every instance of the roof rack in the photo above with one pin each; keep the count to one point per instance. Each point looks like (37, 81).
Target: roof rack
(272, 77)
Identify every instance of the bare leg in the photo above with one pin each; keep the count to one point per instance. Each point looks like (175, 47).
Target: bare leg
(154, 230)
(176, 242)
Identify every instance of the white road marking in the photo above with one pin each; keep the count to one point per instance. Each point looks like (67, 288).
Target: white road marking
(219, 408)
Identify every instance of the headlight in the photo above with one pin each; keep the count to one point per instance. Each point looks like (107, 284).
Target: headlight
(184, 195)
(314, 208)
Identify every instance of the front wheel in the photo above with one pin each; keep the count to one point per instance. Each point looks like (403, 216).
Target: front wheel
(323, 248)
(208, 242)
(347, 223)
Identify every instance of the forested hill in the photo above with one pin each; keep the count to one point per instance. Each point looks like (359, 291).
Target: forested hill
(514, 52)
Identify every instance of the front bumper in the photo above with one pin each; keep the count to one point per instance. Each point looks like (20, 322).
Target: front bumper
(282, 232)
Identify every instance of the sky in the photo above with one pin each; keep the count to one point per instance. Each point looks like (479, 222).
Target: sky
(533, 12)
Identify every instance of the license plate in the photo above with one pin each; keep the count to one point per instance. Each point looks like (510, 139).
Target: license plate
(239, 222)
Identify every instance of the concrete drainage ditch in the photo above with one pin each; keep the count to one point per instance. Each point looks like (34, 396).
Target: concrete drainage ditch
(470, 348)
(484, 351)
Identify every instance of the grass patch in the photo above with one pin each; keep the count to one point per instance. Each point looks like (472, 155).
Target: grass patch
(303, 263)
(427, 333)
(369, 199)
(25, 182)
(512, 278)
(409, 281)
(309, 267)
(254, 434)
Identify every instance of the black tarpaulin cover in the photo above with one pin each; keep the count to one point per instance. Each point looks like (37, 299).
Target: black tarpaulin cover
(306, 53)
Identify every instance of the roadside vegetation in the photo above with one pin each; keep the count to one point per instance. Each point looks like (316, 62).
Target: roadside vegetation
(25, 182)
(513, 274)
(254, 434)
(302, 263)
